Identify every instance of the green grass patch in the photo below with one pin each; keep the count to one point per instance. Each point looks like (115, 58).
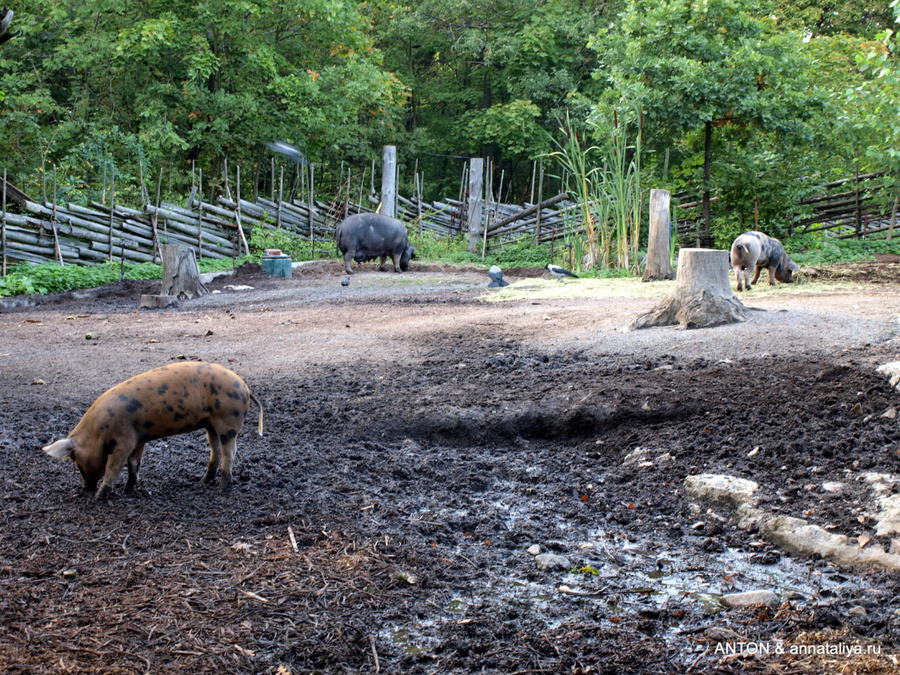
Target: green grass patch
(50, 277)
(815, 249)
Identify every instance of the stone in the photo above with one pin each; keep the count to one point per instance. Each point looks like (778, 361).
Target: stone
(534, 549)
(750, 599)
(635, 455)
(720, 489)
(890, 371)
(551, 561)
(833, 488)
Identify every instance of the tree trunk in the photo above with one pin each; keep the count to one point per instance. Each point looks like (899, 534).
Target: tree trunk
(181, 276)
(659, 265)
(702, 297)
(706, 234)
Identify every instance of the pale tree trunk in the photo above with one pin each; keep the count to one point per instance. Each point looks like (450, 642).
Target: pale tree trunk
(702, 297)
(659, 266)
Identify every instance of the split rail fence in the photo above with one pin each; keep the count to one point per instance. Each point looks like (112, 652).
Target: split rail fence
(847, 208)
(69, 233)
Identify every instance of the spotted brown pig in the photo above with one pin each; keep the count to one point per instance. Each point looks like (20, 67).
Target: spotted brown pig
(167, 401)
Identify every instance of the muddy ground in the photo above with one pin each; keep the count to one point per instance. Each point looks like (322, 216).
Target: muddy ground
(419, 440)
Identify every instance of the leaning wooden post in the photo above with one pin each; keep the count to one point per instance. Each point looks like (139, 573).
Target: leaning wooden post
(280, 195)
(893, 220)
(312, 208)
(272, 182)
(154, 220)
(475, 206)
(200, 215)
(237, 212)
(702, 297)
(537, 223)
(112, 208)
(659, 266)
(53, 224)
(389, 180)
(3, 226)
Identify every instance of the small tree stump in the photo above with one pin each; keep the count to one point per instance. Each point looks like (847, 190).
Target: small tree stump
(702, 297)
(659, 265)
(181, 276)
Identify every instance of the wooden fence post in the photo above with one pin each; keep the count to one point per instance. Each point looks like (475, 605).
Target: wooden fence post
(389, 181)
(659, 266)
(3, 226)
(112, 208)
(476, 204)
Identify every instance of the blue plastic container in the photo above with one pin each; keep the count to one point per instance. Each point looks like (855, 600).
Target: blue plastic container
(277, 265)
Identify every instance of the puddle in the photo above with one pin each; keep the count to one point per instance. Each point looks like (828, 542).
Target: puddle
(402, 639)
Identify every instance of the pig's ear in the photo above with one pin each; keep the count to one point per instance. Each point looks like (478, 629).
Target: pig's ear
(61, 449)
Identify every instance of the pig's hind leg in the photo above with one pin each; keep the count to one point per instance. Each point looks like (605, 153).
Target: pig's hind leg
(134, 466)
(215, 455)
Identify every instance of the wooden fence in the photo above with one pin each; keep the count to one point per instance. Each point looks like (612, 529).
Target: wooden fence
(848, 208)
(69, 233)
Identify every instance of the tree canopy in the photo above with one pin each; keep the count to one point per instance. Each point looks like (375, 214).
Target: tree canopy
(739, 99)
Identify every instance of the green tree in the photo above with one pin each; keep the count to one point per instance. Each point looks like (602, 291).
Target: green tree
(709, 64)
(169, 82)
(873, 107)
(817, 18)
(484, 76)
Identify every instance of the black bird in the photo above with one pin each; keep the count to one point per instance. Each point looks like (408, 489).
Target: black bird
(291, 151)
(559, 272)
(496, 275)
(345, 282)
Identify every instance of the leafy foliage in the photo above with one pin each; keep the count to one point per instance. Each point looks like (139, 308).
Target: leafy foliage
(816, 249)
(96, 85)
(50, 277)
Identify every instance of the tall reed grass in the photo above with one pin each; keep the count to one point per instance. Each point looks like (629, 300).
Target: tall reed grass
(605, 180)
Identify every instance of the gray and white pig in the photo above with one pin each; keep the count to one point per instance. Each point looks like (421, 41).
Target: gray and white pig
(754, 251)
(366, 236)
(167, 401)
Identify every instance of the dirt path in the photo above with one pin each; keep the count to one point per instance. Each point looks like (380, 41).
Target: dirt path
(421, 436)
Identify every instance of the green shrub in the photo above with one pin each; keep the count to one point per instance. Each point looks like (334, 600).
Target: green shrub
(817, 249)
(50, 277)
(290, 244)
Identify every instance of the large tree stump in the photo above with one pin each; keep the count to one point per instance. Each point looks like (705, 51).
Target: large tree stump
(659, 265)
(702, 297)
(181, 276)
